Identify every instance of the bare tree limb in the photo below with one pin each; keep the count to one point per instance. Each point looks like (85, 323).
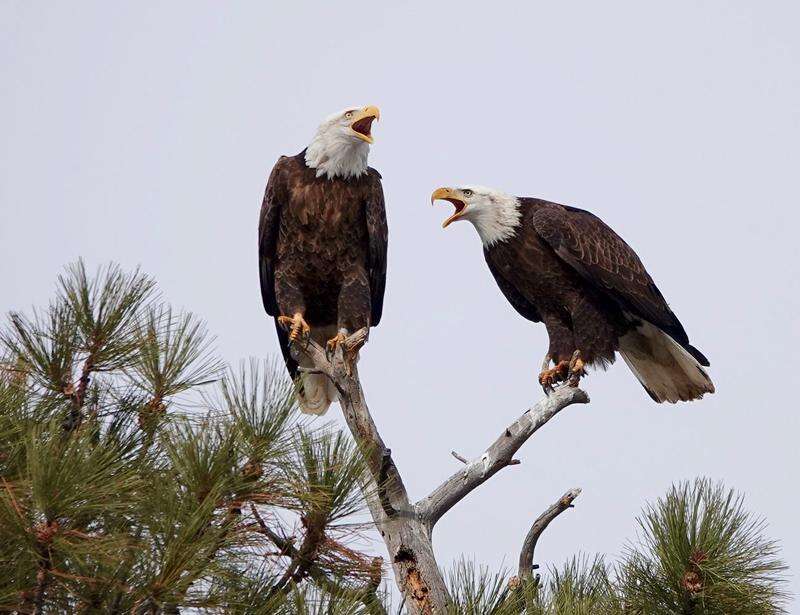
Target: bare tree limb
(526, 566)
(405, 535)
(459, 457)
(406, 527)
(497, 456)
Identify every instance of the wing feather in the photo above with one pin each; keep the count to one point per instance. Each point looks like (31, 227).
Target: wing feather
(378, 235)
(269, 222)
(604, 259)
(525, 308)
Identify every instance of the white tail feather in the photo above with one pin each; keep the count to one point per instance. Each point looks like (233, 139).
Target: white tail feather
(665, 369)
(315, 392)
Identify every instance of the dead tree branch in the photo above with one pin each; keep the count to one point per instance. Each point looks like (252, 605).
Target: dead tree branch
(499, 455)
(526, 565)
(405, 535)
(461, 458)
(406, 527)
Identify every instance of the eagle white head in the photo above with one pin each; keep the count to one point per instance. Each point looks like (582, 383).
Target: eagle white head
(341, 146)
(494, 214)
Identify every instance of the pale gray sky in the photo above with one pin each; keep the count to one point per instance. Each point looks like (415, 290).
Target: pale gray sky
(144, 133)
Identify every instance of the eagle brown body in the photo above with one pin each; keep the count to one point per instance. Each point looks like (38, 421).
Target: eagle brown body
(322, 251)
(586, 279)
(565, 267)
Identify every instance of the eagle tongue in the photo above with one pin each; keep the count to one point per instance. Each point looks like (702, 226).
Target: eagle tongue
(364, 125)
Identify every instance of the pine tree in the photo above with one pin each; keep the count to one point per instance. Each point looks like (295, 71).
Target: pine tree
(138, 474)
(699, 553)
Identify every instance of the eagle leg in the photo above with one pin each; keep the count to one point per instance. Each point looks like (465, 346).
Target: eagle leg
(334, 342)
(296, 326)
(350, 345)
(549, 377)
(577, 369)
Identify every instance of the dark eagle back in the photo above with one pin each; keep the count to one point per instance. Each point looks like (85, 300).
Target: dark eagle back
(608, 263)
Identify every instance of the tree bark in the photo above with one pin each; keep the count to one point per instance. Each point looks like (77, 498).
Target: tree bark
(499, 454)
(406, 537)
(529, 545)
(405, 527)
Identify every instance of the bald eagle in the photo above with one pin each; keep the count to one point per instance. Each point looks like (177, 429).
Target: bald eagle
(565, 267)
(322, 239)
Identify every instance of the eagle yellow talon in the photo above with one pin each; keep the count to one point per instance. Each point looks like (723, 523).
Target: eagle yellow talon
(547, 380)
(549, 377)
(334, 342)
(350, 345)
(296, 326)
(577, 369)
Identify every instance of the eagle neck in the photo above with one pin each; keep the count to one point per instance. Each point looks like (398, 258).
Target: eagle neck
(499, 222)
(337, 156)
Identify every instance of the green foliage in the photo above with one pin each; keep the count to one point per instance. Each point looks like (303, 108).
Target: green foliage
(478, 591)
(137, 475)
(702, 553)
(581, 587)
(106, 311)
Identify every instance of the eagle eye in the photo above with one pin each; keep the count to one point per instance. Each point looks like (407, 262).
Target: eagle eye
(349, 114)
(466, 192)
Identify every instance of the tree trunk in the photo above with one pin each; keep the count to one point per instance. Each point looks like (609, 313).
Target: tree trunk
(404, 526)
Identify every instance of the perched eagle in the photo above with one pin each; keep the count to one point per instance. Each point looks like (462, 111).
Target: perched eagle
(322, 239)
(565, 267)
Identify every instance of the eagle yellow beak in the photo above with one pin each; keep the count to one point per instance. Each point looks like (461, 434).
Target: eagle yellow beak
(448, 194)
(362, 122)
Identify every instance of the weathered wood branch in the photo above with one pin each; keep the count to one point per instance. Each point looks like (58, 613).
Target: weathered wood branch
(461, 458)
(383, 478)
(526, 566)
(405, 535)
(406, 527)
(499, 455)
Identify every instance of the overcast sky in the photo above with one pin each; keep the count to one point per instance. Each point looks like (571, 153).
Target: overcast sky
(144, 132)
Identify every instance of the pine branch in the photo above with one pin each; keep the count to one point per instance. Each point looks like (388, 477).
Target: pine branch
(699, 546)
(303, 558)
(44, 538)
(367, 594)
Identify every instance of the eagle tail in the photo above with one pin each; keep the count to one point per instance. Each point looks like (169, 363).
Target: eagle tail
(315, 392)
(666, 370)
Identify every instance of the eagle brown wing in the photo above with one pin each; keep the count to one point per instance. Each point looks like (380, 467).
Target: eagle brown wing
(603, 259)
(514, 297)
(378, 237)
(268, 227)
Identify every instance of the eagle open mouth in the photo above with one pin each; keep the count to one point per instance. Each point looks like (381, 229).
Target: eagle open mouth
(363, 127)
(460, 207)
